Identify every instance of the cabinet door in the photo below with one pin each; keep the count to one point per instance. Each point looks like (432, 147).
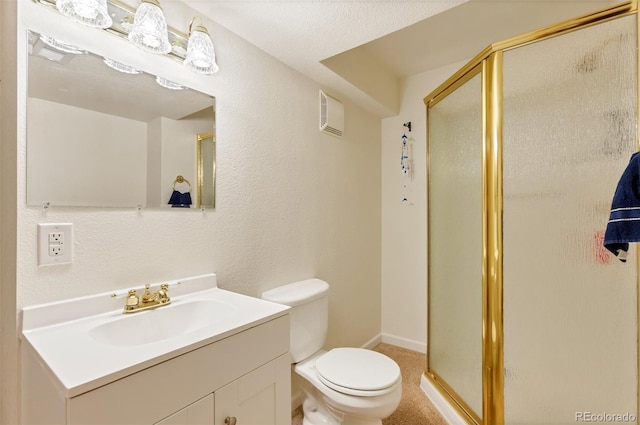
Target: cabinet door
(198, 413)
(261, 397)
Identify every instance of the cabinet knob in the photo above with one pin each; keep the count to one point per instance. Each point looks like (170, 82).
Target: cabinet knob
(230, 420)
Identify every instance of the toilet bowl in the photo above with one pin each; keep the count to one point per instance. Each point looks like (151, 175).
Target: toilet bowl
(349, 405)
(342, 386)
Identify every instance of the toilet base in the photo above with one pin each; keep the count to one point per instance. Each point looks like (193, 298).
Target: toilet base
(327, 407)
(321, 414)
(314, 413)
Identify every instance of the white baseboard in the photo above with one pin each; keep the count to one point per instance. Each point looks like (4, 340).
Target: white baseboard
(409, 344)
(373, 342)
(446, 410)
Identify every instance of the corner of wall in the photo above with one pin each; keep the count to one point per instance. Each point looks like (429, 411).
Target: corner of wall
(9, 383)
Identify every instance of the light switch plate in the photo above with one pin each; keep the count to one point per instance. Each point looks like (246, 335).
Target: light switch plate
(55, 242)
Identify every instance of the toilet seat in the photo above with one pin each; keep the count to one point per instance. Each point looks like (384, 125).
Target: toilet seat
(357, 371)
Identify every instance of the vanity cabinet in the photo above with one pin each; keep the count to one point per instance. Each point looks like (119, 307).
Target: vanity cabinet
(245, 376)
(198, 413)
(249, 400)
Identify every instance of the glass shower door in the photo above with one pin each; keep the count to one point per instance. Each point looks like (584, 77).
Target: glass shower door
(570, 334)
(455, 243)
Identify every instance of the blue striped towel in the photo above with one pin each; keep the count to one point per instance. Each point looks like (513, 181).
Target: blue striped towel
(624, 221)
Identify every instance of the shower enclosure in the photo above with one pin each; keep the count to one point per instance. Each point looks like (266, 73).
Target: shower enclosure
(530, 320)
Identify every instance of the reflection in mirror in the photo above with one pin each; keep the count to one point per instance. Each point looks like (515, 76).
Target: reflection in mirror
(102, 137)
(206, 169)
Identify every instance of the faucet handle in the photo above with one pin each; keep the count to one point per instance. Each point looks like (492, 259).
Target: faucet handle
(132, 298)
(163, 293)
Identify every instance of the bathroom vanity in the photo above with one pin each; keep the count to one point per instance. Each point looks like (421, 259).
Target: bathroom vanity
(210, 357)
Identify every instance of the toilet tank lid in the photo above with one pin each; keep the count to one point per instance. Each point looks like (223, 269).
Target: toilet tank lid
(297, 293)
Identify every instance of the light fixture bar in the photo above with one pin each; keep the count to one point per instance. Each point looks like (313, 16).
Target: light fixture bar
(122, 16)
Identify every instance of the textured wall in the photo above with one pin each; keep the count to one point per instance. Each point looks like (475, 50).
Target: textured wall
(292, 203)
(8, 214)
(404, 224)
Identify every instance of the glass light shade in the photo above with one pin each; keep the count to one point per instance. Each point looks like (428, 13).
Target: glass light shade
(149, 31)
(168, 84)
(121, 67)
(92, 13)
(200, 54)
(61, 45)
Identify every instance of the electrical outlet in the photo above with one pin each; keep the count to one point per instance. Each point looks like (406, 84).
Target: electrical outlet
(56, 238)
(55, 241)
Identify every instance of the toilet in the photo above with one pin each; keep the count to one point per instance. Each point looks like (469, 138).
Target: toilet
(342, 386)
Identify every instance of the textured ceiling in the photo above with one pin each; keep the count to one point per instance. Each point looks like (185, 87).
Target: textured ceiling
(462, 32)
(360, 48)
(381, 41)
(301, 33)
(355, 49)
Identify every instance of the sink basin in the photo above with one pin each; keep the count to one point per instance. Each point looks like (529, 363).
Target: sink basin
(108, 345)
(161, 323)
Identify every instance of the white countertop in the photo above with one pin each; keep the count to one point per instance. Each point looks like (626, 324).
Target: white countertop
(68, 336)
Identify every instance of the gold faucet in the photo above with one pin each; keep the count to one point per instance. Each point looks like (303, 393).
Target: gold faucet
(148, 300)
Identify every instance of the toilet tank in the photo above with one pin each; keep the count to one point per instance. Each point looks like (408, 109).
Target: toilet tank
(309, 314)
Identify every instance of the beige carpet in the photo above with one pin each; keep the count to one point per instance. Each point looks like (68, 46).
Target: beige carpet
(415, 408)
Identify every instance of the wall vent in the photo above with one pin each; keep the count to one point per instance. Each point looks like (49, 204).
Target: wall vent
(331, 115)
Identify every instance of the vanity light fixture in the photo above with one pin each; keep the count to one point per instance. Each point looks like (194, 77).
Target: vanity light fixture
(92, 13)
(149, 31)
(61, 45)
(146, 28)
(201, 56)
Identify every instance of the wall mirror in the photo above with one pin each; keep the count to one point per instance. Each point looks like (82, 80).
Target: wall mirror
(102, 134)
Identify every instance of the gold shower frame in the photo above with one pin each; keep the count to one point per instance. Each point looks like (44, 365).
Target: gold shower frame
(489, 64)
(200, 138)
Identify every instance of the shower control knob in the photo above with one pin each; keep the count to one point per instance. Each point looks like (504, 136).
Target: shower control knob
(230, 420)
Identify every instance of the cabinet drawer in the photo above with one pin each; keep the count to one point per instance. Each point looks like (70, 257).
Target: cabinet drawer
(152, 394)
